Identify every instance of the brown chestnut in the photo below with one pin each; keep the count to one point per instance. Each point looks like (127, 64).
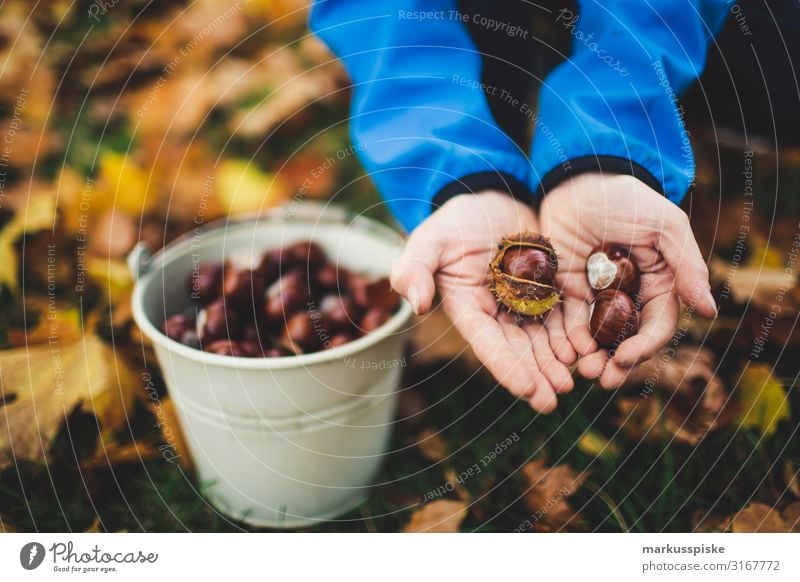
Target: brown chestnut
(338, 313)
(373, 319)
(370, 292)
(300, 332)
(285, 297)
(216, 322)
(611, 267)
(205, 284)
(227, 348)
(176, 326)
(338, 340)
(531, 264)
(614, 318)
(522, 274)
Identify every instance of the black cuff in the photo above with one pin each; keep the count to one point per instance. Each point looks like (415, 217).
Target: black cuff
(473, 183)
(611, 164)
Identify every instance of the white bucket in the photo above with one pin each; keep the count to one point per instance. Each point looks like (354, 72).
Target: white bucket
(279, 442)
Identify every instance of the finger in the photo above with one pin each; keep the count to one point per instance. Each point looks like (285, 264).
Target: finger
(576, 322)
(557, 333)
(613, 375)
(679, 248)
(659, 318)
(412, 274)
(592, 366)
(556, 373)
(542, 398)
(486, 338)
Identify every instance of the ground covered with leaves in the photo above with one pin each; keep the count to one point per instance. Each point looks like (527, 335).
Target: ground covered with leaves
(131, 122)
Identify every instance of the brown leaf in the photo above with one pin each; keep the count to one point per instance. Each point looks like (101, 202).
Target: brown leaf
(791, 515)
(110, 454)
(548, 491)
(49, 382)
(704, 522)
(113, 234)
(792, 476)
(759, 517)
(440, 516)
(431, 445)
(5, 525)
(695, 399)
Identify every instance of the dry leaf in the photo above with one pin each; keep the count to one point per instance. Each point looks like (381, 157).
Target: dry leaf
(5, 525)
(109, 454)
(52, 322)
(762, 398)
(792, 476)
(695, 400)
(704, 522)
(759, 517)
(440, 516)
(114, 233)
(597, 445)
(431, 445)
(548, 489)
(38, 213)
(242, 188)
(48, 382)
(791, 515)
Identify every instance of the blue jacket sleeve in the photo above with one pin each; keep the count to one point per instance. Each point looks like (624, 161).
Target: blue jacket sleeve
(419, 118)
(612, 106)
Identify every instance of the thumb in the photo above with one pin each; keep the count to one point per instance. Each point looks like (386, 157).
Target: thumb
(412, 274)
(679, 248)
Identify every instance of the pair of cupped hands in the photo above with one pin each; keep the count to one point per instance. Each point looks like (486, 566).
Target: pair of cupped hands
(451, 251)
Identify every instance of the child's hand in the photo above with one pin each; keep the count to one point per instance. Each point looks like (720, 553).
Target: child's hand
(594, 208)
(451, 251)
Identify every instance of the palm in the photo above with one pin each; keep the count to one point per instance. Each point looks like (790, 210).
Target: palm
(591, 210)
(460, 240)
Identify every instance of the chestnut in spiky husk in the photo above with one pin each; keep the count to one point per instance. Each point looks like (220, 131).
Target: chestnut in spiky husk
(614, 318)
(523, 274)
(610, 266)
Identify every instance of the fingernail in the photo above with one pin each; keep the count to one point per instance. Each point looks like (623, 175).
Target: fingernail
(711, 301)
(412, 294)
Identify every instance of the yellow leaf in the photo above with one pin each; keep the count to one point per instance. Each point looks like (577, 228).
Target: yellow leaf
(65, 325)
(762, 398)
(41, 386)
(242, 187)
(113, 277)
(597, 445)
(122, 184)
(440, 516)
(37, 213)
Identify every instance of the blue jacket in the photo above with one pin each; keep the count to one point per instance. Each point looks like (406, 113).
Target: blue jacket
(422, 123)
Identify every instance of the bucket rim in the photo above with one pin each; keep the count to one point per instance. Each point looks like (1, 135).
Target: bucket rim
(325, 214)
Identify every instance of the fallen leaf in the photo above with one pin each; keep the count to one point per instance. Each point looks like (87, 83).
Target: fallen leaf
(64, 325)
(759, 517)
(114, 233)
(597, 445)
(792, 476)
(49, 382)
(791, 515)
(695, 401)
(440, 516)
(109, 454)
(38, 213)
(548, 489)
(430, 444)
(5, 525)
(763, 400)
(123, 185)
(704, 522)
(242, 188)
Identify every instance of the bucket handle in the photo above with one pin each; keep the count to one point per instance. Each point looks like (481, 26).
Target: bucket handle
(139, 260)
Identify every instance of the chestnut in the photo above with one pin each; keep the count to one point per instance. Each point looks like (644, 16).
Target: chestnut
(522, 274)
(610, 266)
(216, 322)
(226, 347)
(284, 297)
(175, 327)
(338, 313)
(205, 284)
(332, 279)
(530, 263)
(338, 340)
(240, 286)
(300, 333)
(373, 292)
(614, 318)
(305, 254)
(373, 319)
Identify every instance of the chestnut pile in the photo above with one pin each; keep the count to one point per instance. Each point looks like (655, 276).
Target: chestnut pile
(615, 278)
(288, 301)
(523, 279)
